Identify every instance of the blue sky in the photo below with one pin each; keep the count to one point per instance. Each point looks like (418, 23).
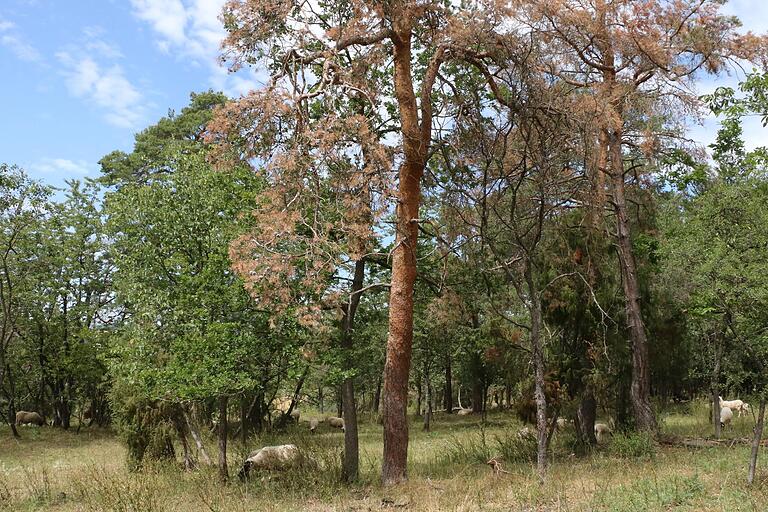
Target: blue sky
(79, 77)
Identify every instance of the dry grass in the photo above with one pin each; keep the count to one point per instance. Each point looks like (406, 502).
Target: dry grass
(53, 470)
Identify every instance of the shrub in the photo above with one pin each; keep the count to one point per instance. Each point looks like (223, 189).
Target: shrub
(633, 445)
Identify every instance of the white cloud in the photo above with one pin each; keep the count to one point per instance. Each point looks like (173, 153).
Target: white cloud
(106, 86)
(62, 167)
(12, 40)
(167, 17)
(190, 29)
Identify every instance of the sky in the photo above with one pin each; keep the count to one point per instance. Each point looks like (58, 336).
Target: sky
(79, 77)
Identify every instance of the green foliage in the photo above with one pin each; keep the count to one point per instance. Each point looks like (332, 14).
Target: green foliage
(633, 445)
(158, 148)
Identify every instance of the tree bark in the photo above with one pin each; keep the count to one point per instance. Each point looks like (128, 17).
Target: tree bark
(644, 416)
(448, 391)
(715, 384)
(428, 411)
(756, 442)
(350, 469)
(537, 348)
(400, 339)
(223, 470)
(377, 396)
(244, 420)
(198, 441)
(586, 417)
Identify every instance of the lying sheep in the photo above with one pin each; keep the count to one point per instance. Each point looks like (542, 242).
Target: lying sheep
(464, 412)
(271, 458)
(726, 415)
(313, 424)
(335, 422)
(26, 418)
(602, 430)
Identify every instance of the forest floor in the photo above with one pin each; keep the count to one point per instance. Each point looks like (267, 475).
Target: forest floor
(65, 471)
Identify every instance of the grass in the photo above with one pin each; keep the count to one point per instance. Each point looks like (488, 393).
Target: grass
(62, 471)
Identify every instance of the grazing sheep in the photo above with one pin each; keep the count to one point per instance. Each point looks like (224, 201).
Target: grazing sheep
(734, 405)
(464, 412)
(563, 423)
(313, 424)
(271, 458)
(602, 430)
(726, 415)
(295, 415)
(744, 408)
(335, 422)
(26, 418)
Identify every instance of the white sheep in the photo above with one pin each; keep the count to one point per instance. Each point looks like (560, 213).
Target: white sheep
(295, 415)
(313, 424)
(726, 415)
(602, 430)
(464, 412)
(563, 423)
(733, 405)
(271, 458)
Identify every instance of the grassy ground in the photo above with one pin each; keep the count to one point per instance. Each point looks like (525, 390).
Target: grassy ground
(52, 470)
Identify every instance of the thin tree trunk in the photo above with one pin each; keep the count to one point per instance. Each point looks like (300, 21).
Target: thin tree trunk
(11, 401)
(321, 399)
(223, 470)
(286, 416)
(448, 392)
(350, 469)
(418, 395)
(377, 396)
(428, 412)
(198, 441)
(645, 418)
(539, 371)
(244, 420)
(756, 442)
(178, 423)
(715, 383)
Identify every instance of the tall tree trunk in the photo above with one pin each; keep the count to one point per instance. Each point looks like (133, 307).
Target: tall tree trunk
(223, 470)
(400, 339)
(448, 391)
(756, 442)
(350, 469)
(645, 418)
(539, 371)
